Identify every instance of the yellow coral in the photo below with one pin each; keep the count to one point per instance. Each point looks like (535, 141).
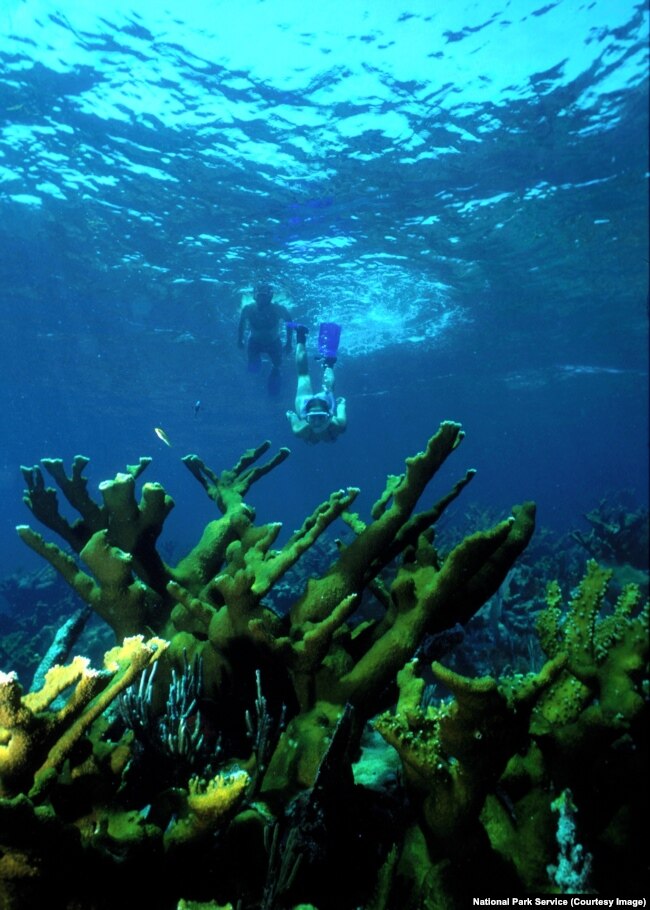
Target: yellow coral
(16, 865)
(210, 801)
(208, 805)
(35, 739)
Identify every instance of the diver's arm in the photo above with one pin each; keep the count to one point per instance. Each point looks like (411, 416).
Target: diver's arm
(299, 427)
(286, 315)
(243, 322)
(340, 418)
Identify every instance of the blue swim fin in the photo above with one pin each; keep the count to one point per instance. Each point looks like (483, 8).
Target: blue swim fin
(328, 340)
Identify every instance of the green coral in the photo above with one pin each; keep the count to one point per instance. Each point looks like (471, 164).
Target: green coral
(486, 760)
(606, 655)
(454, 753)
(275, 807)
(212, 601)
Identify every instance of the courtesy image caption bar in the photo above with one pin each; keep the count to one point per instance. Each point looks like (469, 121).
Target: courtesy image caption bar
(566, 900)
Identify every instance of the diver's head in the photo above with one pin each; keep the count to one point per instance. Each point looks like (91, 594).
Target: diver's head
(263, 293)
(317, 414)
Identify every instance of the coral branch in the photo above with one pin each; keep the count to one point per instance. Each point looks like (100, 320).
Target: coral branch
(35, 737)
(228, 489)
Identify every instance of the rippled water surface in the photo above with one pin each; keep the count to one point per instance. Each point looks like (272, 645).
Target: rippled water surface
(462, 186)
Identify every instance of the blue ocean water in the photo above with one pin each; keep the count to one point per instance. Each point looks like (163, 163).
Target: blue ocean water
(463, 187)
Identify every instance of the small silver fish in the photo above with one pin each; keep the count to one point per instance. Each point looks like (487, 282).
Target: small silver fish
(162, 435)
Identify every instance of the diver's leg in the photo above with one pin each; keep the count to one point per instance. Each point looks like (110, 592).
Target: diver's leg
(328, 379)
(254, 357)
(274, 384)
(304, 387)
(302, 365)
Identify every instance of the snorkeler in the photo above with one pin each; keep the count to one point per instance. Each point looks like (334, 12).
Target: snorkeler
(264, 320)
(319, 416)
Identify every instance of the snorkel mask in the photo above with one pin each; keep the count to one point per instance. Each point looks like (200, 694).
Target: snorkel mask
(317, 413)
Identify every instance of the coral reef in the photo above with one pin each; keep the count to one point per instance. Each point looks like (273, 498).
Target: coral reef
(619, 532)
(487, 766)
(35, 738)
(34, 606)
(229, 759)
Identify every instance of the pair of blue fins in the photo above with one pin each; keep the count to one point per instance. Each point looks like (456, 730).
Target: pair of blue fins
(329, 335)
